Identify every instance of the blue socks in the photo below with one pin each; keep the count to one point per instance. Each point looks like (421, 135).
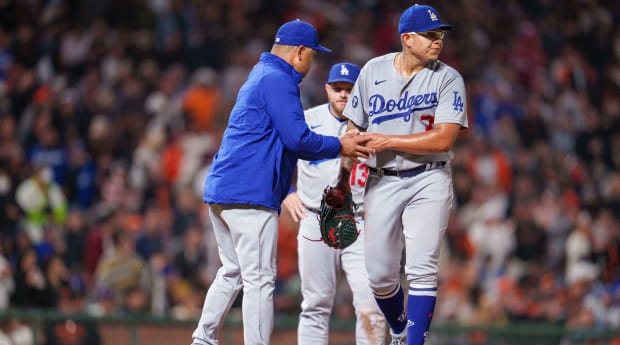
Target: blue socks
(392, 306)
(417, 318)
(420, 307)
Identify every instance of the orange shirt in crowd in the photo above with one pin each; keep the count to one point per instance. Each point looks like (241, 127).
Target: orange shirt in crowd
(201, 104)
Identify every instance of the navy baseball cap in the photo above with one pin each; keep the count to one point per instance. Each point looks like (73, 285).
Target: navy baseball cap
(420, 18)
(343, 72)
(299, 33)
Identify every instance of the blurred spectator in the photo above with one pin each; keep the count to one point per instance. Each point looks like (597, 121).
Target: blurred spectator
(145, 168)
(164, 104)
(116, 192)
(71, 332)
(19, 333)
(160, 269)
(47, 148)
(32, 289)
(12, 153)
(9, 211)
(123, 273)
(81, 176)
(489, 165)
(191, 259)
(287, 292)
(99, 240)
(201, 101)
(42, 201)
(74, 49)
(57, 276)
(7, 284)
(530, 239)
(580, 251)
(186, 301)
(186, 210)
(75, 241)
(154, 232)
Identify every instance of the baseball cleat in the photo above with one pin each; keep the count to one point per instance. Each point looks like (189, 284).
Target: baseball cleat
(400, 338)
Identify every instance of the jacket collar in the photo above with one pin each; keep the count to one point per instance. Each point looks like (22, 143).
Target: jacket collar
(281, 64)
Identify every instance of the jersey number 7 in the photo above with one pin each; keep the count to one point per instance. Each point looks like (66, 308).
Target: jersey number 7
(428, 120)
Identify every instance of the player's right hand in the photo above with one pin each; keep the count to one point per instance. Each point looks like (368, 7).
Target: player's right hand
(295, 208)
(353, 145)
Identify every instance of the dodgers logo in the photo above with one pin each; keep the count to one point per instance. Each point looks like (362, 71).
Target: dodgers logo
(457, 103)
(354, 101)
(344, 70)
(401, 108)
(432, 15)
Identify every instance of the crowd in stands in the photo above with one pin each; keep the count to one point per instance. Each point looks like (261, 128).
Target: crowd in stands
(110, 112)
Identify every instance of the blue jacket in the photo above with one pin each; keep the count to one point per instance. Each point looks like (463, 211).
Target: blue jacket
(266, 134)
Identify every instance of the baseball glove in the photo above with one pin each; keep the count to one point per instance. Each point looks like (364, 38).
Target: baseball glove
(337, 219)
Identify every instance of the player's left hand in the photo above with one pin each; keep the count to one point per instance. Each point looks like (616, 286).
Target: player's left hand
(293, 205)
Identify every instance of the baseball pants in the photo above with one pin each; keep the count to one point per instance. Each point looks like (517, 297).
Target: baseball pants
(416, 209)
(320, 268)
(247, 241)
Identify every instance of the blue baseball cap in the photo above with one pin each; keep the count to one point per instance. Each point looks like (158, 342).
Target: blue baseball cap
(343, 72)
(420, 18)
(299, 33)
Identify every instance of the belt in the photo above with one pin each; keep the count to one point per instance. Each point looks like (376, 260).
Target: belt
(409, 172)
(317, 211)
(314, 210)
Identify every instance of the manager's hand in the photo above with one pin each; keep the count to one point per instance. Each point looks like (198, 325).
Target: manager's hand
(353, 145)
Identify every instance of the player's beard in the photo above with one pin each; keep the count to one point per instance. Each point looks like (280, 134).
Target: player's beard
(337, 108)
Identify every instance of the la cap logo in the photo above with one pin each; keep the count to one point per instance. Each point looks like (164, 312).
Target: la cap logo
(432, 15)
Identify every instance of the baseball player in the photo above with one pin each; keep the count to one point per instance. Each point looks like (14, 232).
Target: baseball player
(250, 176)
(413, 107)
(318, 286)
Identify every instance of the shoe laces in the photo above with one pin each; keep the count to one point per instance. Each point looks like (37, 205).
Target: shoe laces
(398, 339)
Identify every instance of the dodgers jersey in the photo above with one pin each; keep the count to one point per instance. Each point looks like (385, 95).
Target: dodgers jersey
(383, 101)
(314, 176)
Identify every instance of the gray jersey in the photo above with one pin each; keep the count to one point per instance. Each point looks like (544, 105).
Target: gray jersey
(313, 176)
(383, 101)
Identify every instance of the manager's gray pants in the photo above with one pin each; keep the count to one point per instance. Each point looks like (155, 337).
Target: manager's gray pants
(247, 240)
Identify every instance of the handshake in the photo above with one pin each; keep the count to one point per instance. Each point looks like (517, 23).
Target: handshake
(356, 144)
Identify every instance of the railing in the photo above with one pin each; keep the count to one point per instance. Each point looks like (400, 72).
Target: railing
(151, 330)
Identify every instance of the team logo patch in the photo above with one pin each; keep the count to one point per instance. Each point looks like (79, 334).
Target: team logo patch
(344, 70)
(457, 103)
(432, 15)
(354, 101)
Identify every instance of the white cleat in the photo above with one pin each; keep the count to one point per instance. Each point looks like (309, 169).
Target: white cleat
(400, 338)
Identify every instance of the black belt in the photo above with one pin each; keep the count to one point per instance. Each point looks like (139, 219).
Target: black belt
(409, 172)
(313, 210)
(317, 211)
